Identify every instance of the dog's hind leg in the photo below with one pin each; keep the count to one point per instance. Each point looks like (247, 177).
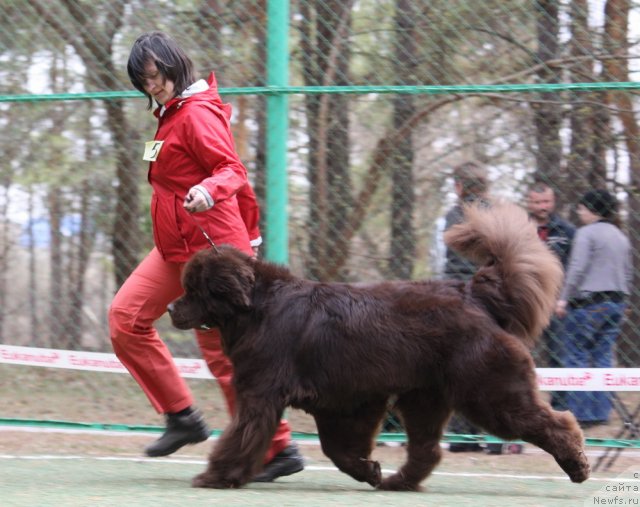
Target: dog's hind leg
(564, 440)
(348, 439)
(424, 414)
(506, 403)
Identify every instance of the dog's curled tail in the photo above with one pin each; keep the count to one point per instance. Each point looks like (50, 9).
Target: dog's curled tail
(519, 278)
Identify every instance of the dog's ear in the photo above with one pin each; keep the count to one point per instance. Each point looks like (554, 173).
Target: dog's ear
(243, 281)
(232, 280)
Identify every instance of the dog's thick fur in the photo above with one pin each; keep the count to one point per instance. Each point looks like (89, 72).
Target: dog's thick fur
(340, 351)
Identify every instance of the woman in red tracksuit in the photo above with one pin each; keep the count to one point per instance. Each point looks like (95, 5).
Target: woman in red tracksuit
(199, 185)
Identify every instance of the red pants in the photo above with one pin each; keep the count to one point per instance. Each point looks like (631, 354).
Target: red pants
(141, 300)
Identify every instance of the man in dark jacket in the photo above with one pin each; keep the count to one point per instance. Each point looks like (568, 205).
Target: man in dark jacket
(553, 230)
(558, 235)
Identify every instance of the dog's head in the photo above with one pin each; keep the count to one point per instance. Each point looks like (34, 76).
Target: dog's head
(218, 284)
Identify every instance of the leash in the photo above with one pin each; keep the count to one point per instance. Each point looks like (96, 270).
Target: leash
(204, 233)
(205, 327)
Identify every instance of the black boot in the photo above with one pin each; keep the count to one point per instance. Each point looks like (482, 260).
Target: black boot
(181, 430)
(287, 462)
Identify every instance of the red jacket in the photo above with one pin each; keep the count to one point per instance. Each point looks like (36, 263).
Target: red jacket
(194, 146)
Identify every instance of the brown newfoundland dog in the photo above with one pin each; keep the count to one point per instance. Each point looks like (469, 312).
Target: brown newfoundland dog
(340, 350)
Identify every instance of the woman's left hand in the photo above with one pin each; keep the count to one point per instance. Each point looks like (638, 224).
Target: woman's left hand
(195, 201)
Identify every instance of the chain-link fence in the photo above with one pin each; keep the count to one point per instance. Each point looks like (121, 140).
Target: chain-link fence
(390, 95)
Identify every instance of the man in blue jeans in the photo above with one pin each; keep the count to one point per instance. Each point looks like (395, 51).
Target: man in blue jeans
(592, 331)
(592, 301)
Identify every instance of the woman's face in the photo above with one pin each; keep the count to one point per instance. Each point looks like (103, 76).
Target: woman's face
(161, 89)
(586, 216)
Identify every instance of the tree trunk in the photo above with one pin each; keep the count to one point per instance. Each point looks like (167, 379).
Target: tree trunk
(616, 69)
(547, 113)
(34, 318)
(95, 48)
(402, 249)
(55, 207)
(328, 126)
(4, 251)
(57, 337)
(261, 116)
(82, 250)
(126, 229)
(582, 170)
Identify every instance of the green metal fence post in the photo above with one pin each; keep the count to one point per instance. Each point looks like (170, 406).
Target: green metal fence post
(277, 234)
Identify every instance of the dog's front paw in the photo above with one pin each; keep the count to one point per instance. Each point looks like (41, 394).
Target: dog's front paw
(397, 482)
(205, 480)
(208, 480)
(374, 473)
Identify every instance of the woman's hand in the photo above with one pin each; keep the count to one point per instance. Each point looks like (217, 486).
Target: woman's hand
(196, 201)
(561, 308)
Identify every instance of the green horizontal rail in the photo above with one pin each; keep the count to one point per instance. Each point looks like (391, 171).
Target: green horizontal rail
(362, 90)
(382, 437)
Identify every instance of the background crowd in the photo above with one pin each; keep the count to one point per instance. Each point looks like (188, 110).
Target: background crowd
(596, 258)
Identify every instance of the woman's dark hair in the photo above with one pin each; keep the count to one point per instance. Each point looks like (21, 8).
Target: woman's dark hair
(172, 62)
(604, 204)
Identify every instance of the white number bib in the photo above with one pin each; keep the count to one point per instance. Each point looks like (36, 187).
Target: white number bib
(152, 150)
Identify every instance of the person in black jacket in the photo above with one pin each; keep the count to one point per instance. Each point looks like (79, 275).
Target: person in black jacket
(471, 184)
(556, 232)
(558, 235)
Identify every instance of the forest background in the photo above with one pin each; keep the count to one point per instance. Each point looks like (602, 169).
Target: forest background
(368, 173)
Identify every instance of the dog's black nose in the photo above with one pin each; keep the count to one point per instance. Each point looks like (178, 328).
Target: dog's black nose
(170, 307)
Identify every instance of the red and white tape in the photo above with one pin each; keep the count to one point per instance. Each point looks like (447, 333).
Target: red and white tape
(549, 379)
(588, 379)
(88, 361)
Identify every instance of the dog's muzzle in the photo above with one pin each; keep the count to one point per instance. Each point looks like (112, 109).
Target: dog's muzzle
(204, 327)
